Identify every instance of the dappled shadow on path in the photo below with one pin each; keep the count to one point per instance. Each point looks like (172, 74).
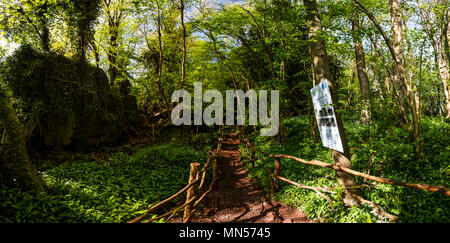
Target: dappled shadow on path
(237, 200)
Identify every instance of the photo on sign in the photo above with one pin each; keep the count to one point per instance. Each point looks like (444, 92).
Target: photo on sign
(328, 122)
(326, 111)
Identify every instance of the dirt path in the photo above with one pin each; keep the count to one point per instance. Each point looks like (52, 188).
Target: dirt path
(236, 199)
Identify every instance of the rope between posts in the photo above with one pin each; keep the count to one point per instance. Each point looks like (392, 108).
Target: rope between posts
(190, 203)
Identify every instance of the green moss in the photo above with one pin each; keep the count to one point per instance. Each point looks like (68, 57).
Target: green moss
(71, 102)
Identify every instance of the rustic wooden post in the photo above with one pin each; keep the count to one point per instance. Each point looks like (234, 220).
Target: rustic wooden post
(215, 168)
(276, 173)
(195, 168)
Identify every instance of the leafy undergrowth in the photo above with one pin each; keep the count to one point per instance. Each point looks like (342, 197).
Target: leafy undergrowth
(384, 150)
(116, 191)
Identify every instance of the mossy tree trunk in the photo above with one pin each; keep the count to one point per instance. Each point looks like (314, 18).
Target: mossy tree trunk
(322, 71)
(364, 83)
(23, 171)
(183, 61)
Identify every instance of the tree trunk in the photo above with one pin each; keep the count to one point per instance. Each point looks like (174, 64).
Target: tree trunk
(322, 71)
(45, 42)
(114, 19)
(183, 61)
(20, 164)
(395, 89)
(442, 66)
(43, 23)
(312, 118)
(82, 41)
(349, 85)
(364, 83)
(439, 42)
(262, 39)
(160, 63)
(415, 132)
(96, 53)
(397, 44)
(397, 28)
(112, 53)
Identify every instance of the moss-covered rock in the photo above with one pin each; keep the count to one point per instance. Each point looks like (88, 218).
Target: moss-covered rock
(66, 103)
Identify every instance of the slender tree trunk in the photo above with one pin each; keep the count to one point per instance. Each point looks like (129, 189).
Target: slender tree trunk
(96, 53)
(222, 57)
(442, 66)
(322, 71)
(447, 36)
(114, 18)
(45, 39)
(160, 64)
(82, 42)
(262, 38)
(364, 83)
(20, 164)
(183, 61)
(312, 118)
(439, 42)
(349, 83)
(112, 55)
(397, 44)
(416, 132)
(397, 28)
(395, 89)
(45, 29)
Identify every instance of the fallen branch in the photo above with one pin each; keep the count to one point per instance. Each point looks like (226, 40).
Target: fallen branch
(350, 187)
(98, 160)
(379, 211)
(316, 189)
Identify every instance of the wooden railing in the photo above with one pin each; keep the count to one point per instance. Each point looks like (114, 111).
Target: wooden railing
(193, 189)
(275, 178)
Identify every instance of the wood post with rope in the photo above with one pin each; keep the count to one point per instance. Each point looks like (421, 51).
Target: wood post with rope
(195, 168)
(215, 170)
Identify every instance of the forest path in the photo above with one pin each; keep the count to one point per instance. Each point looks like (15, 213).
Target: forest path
(237, 200)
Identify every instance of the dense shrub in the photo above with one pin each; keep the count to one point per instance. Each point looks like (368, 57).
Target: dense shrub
(386, 151)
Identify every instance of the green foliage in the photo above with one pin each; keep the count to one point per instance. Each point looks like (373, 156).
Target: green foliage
(80, 17)
(68, 104)
(65, 102)
(117, 191)
(385, 151)
(27, 22)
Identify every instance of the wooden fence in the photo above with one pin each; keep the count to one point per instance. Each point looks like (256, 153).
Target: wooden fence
(275, 177)
(193, 189)
(196, 183)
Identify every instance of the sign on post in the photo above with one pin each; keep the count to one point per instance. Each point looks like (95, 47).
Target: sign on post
(325, 116)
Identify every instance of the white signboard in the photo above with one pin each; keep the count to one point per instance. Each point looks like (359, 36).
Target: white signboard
(326, 119)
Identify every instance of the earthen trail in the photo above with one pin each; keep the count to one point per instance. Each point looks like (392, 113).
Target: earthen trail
(237, 200)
